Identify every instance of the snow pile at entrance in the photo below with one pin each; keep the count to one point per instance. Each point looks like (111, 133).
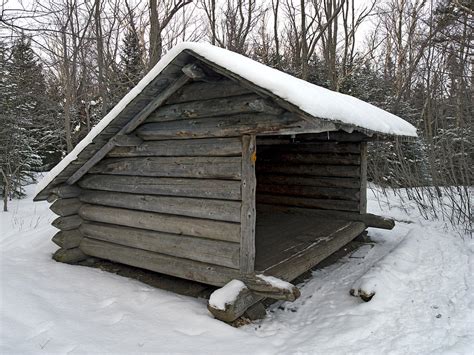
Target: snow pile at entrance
(226, 295)
(315, 100)
(422, 273)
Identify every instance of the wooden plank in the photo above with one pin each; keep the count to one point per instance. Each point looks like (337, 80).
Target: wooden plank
(369, 219)
(69, 256)
(341, 205)
(339, 136)
(230, 126)
(191, 207)
(66, 191)
(198, 249)
(285, 144)
(182, 148)
(65, 206)
(67, 223)
(279, 157)
(363, 178)
(68, 239)
(204, 91)
(128, 128)
(187, 269)
(317, 252)
(311, 170)
(214, 108)
(202, 228)
(334, 182)
(248, 211)
(310, 191)
(188, 167)
(207, 188)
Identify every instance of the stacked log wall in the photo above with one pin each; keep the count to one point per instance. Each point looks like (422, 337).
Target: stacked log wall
(311, 174)
(173, 205)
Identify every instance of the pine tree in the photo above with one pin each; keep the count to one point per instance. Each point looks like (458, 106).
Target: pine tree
(132, 65)
(21, 85)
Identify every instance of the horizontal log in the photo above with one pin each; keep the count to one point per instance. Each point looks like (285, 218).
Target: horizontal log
(181, 148)
(310, 191)
(326, 204)
(68, 239)
(235, 308)
(204, 91)
(52, 197)
(65, 206)
(230, 126)
(311, 170)
(214, 107)
(207, 188)
(69, 256)
(338, 136)
(202, 228)
(66, 191)
(349, 183)
(191, 207)
(67, 223)
(194, 167)
(369, 219)
(285, 145)
(268, 157)
(199, 249)
(187, 269)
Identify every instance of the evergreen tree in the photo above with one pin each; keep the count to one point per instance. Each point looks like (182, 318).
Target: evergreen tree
(131, 57)
(21, 85)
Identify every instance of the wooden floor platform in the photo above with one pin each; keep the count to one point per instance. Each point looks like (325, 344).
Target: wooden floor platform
(288, 244)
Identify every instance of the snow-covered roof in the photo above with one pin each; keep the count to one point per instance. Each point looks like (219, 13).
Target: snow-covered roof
(312, 99)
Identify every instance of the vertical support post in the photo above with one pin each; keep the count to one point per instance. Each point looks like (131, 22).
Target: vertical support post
(248, 209)
(363, 178)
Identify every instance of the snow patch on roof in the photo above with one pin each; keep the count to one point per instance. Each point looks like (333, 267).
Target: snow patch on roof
(312, 99)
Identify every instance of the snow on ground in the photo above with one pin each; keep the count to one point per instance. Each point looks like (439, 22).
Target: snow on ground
(422, 273)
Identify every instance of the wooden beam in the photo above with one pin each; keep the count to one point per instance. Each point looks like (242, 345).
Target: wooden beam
(206, 91)
(68, 239)
(65, 206)
(221, 210)
(203, 228)
(363, 178)
(69, 256)
(128, 128)
(181, 246)
(248, 209)
(296, 201)
(66, 191)
(207, 188)
(67, 223)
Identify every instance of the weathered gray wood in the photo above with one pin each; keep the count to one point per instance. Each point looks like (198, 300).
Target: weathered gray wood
(128, 128)
(193, 71)
(52, 197)
(199, 249)
(284, 144)
(369, 219)
(348, 183)
(192, 207)
(248, 210)
(214, 108)
(67, 223)
(129, 140)
(363, 178)
(256, 312)
(311, 256)
(234, 310)
(205, 91)
(68, 239)
(169, 265)
(182, 148)
(231, 126)
(65, 206)
(203, 228)
(328, 204)
(258, 285)
(190, 167)
(312, 170)
(310, 191)
(278, 157)
(69, 256)
(207, 188)
(66, 191)
(339, 136)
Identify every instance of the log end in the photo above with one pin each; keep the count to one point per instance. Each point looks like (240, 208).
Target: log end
(69, 256)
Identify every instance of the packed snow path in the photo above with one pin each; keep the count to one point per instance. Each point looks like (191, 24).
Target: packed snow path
(422, 273)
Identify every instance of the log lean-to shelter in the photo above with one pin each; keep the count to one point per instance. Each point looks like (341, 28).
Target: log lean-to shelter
(217, 168)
